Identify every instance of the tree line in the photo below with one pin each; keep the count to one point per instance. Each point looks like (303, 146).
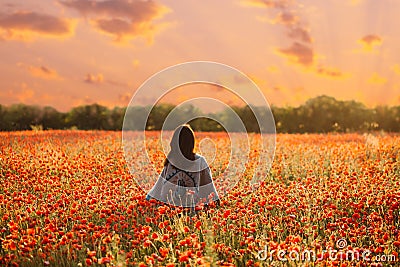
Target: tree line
(320, 115)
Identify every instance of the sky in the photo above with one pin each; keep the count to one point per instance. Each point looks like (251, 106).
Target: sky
(75, 52)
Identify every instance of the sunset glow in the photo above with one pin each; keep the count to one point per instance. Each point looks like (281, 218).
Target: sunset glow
(74, 52)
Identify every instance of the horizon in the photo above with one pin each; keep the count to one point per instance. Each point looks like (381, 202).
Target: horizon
(196, 106)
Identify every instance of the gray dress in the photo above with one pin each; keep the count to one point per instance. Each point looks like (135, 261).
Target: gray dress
(185, 188)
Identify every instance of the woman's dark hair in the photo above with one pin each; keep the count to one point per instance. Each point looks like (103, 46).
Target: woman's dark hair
(183, 140)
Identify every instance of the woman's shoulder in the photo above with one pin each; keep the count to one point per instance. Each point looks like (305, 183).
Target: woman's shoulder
(202, 160)
(198, 156)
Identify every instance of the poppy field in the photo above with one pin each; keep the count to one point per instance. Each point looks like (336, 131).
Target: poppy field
(67, 198)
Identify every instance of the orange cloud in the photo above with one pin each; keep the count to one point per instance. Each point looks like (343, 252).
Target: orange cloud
(25, 93)
(300, 34)
(376, 79)
(273, 69)
(278, 88)
(136, 63)
(123, 19)
(330, 72)
(94, 79)
(301, 51)
(25, 26)
(266, 3)
(42, 72)
(286, 18)
(124, 98)
(99, 79)
(396, 69)
(118, 83)
(260, 82)
(303, 55)
(369, 42)
(355, 2)
(299, 54)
